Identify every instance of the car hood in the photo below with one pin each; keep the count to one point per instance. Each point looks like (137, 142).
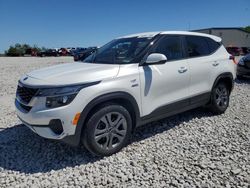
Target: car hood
(70, 73)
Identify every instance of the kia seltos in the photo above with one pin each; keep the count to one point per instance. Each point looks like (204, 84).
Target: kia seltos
(126, 83)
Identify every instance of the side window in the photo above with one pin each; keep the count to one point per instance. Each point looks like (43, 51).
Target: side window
(170, 46)
(213, 45)
(197, 46)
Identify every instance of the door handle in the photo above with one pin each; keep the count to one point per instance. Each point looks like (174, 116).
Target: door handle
(215, 63)
(182, 70)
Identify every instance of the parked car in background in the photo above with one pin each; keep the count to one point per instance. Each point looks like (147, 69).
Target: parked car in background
(235, 51)
(49, 52)
(77, 50)
(245, 50)
(63, 51)
(81, 54)
(31, 52)
(131, 81)
(243, 67)
(70, 50)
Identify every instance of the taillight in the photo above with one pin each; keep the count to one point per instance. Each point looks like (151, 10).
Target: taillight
(231, 57)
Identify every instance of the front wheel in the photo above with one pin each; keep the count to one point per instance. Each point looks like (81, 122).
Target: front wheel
(219, 98)
(108, 130)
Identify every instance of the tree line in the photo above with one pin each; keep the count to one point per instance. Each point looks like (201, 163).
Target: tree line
(23, 49)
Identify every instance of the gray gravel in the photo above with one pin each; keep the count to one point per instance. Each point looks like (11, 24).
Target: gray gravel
(193, 149)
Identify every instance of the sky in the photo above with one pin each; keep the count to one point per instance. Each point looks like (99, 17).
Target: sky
(83, 23)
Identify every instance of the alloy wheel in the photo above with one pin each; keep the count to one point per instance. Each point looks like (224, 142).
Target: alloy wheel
(221, 96)
(110, 130)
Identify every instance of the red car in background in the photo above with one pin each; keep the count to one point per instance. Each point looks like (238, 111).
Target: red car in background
(63, 52)
(235, 51)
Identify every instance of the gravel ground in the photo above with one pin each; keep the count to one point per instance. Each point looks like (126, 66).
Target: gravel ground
(193, 149)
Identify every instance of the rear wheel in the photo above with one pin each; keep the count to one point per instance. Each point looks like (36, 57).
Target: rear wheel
(219, 98)
(108, 130)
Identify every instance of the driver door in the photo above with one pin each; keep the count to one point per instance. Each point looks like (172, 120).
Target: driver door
(165, 87)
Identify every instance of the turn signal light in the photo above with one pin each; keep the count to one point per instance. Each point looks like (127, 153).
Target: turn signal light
(76, 118)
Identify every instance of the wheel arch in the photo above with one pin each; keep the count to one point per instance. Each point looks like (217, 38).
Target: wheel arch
(227, 78)
(123, 98)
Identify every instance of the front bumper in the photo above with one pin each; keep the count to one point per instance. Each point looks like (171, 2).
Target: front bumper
(53, 123)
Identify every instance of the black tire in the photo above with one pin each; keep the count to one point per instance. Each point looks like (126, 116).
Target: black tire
(219, 98)
(109, 122)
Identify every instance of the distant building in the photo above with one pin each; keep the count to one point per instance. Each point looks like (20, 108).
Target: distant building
(231, 36)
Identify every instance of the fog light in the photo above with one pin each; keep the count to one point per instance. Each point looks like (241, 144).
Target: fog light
(56, 126)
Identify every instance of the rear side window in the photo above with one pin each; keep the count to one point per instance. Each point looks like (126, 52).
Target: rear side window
(197, 46)
(170, 46)
(213, 45)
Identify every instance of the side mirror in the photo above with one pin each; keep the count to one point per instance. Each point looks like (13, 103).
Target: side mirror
(156, 58)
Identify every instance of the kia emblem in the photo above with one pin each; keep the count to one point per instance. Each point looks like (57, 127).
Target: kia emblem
(25, 78)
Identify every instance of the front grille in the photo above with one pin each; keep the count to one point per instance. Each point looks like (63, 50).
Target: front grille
(25, 93)
(26, 108)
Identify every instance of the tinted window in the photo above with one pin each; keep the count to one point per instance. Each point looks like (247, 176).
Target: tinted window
(170, 46)
(213, 45)
(197, 46)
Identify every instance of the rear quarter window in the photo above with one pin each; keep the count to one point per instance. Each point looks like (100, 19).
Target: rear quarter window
(213, 45)
(197, 46)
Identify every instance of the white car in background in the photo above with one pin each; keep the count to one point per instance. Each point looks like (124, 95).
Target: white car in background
(128, 82)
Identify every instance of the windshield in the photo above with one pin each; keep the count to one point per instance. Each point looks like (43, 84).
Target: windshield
(119, 51)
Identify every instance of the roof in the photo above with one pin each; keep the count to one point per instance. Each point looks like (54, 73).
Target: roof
(223, 28)
(152, 34)
(145, 34)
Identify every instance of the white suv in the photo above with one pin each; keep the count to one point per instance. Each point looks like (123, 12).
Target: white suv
(128, 82)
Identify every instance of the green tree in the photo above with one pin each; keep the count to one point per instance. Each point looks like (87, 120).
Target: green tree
(13, 51)
(17, 50)
(247, 28)
(21, 49)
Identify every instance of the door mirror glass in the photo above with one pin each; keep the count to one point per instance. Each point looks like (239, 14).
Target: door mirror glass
(156, 58)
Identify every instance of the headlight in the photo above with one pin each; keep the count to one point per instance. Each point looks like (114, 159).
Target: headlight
(61, 96)
(241, 62)
(47, 92)
(53, 102)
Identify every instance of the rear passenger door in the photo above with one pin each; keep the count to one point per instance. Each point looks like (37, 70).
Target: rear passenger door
(201, 67)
